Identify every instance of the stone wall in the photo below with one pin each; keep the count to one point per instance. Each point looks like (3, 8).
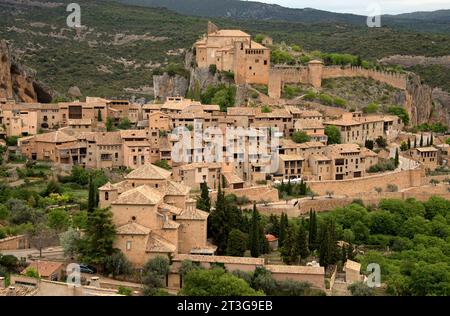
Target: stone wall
(422, 193)
(254, 194)
(305, 75)
(402, 179)
(14, 243)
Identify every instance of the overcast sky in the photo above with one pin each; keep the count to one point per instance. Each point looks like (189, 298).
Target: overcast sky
(360, 6)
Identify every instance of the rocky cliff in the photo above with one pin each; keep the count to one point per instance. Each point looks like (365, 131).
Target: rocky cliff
(419, 100)
(18, 82)
(169, 86)
(425, 104)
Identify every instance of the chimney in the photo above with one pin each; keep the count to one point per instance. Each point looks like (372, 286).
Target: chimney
(95, 281)
(2, 282)
(11, 291)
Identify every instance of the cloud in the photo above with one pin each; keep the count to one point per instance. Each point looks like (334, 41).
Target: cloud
(360, 7)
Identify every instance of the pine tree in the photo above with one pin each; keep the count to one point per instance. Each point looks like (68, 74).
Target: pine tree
(397, 158)
(283, 228)
(409, 143)
(92, 197)
(421, 140)
(302, 242)
(254, 236)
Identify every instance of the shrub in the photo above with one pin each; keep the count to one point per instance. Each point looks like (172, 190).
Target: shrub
(124, 291)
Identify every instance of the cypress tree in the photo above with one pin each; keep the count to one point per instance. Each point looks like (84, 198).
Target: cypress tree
(431, 139)
(275, 225)
(397, 158)
(312, 238)
(283, 228)
(99, 116)
(302, 242)
(254, 238)
(328, 252)
(92, 197)
(289, 251)
(409, 143)
(421, 140)
(204, 202)
(289, 188)
(415, 142)
(218, 222)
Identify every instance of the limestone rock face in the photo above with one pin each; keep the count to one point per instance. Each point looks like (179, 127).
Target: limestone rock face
(74, 92)
(18, 82)
(441, 111)
(419, 100)
(169, 86)
(6, 87)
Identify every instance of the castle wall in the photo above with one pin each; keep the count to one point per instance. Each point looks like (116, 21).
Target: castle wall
(315, 73)
(403, 179)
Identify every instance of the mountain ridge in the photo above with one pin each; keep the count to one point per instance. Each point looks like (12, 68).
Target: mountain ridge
(434, 21)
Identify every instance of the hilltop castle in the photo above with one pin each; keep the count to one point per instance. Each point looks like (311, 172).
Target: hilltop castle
(234, 51)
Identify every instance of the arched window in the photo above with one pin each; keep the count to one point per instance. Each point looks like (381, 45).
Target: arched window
(106, 196)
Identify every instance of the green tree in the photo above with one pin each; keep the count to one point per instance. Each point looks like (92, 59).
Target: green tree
(381, 142)
(334, 134)
(99, 116)
(421, 140)
(283, 227)
(400, 112)
(404, 146)
(312, 236)
(397, 158)
(237, 243)
(109, 124)
(409, 143)
(215, 282)
(300, 137)
(58, 219)
(154, 274)
(118, 264)
(204, 201)
(290, 249)
(52, 187)
(430, 279)
(302, 242)
(70, 241)
(124, 123)
(254, 234)
(97, 243)
(92, 195)
(328, 250)
(188, 266)
(369, 144)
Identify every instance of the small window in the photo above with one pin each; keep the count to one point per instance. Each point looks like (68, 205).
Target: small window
(128, 245)
(106, 196)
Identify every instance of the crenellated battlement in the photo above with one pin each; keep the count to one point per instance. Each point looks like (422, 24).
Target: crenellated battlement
(315, 72)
